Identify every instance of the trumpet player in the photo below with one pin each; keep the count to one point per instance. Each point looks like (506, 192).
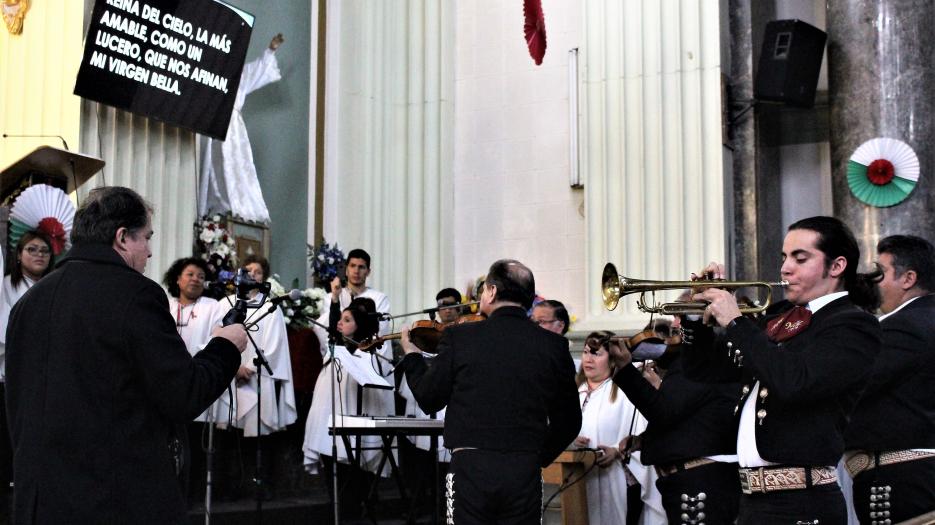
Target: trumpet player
(802, 368)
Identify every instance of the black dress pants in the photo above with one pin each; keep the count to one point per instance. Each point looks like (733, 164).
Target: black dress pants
(487, 487)
(712, 492)
(911, 491)
(819, 505)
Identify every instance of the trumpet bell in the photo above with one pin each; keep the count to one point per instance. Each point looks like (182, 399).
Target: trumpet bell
(610, 286)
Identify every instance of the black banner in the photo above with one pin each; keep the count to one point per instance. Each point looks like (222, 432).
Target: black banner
(178, 61)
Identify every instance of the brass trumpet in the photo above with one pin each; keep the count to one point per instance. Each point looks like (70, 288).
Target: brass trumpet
(614, 286)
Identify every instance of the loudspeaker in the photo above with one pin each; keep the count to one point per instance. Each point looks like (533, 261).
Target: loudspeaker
(789, 63)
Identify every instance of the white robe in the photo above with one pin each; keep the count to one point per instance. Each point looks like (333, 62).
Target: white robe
(375, 402)
(228, 175)
(194, 324)
(606, 422)
(317, 441)
(9, 295)
(277, 411)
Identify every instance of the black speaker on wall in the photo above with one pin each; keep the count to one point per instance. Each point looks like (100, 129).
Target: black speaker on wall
(790, 62)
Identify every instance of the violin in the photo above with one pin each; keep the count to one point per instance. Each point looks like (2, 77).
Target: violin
(631, 342)
(425, 334)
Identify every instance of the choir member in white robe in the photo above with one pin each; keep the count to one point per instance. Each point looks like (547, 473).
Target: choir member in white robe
(228, 175)
(607, 417)
(375, 402)
(196, 316)
(275, 391)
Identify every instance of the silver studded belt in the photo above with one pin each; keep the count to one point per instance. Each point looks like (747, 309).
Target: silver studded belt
(771, 479)
(857, 461)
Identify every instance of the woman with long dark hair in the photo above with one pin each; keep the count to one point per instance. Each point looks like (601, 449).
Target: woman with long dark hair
(32, 261)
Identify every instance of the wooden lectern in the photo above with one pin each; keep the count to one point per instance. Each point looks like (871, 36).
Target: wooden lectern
(56, 167)
(571, 465)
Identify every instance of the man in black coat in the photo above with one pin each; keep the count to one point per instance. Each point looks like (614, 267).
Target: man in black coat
(512, 402)
(891, 436)
(691, 438)
(802, 371)
(98, 378)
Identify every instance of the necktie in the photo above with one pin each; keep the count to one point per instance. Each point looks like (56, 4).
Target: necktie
(789, 324)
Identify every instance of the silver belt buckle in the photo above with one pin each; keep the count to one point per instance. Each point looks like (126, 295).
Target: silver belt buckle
(745, 482)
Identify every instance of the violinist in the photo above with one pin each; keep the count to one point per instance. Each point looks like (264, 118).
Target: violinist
(448, 297)
(355, 323)
(691, 436)
(415, 452)
(511, 398)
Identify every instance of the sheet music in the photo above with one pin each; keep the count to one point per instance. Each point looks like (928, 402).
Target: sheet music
(359, 367)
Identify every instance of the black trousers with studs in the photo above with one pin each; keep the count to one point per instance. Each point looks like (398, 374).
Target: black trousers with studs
(706, 494)
(895, 492)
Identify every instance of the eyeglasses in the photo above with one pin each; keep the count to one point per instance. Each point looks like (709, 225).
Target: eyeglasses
(37, 251)
(541, 322)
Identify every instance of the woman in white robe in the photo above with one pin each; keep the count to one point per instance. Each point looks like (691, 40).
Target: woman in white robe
(358, 327)
(278, 397)
(196, 316)
(276, 391)
(607, 417)
(228, 175)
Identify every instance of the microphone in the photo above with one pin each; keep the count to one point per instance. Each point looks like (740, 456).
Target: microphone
(293, 295)
(15, 136)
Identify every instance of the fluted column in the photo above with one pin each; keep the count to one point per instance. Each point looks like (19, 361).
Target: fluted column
(388, 144)
(881, 81)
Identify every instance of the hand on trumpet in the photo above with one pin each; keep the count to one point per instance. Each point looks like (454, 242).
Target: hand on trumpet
(722, 305)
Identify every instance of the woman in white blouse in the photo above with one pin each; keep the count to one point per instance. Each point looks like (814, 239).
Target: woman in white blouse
(607, 417)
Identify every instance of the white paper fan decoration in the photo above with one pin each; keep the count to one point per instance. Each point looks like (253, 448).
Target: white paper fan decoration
(883, 172)
(42, 207)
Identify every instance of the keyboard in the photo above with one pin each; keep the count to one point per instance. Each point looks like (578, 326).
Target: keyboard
(387, 422)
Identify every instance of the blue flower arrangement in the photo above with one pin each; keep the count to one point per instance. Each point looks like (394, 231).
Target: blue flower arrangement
(325, 260)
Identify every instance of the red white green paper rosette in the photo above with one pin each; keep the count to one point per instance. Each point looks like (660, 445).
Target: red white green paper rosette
(44, 208)
(883, 172)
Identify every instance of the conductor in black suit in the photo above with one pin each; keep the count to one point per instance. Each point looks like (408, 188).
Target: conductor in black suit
(890, 441)
(512, 402)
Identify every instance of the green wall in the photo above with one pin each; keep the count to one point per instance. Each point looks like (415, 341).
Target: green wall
(277, 122)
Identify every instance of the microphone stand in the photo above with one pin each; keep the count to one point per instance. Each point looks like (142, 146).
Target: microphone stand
(332, 336)
(238, 314)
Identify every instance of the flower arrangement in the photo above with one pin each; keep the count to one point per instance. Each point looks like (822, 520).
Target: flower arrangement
(297, 313)
(216, 244)
(325, 261)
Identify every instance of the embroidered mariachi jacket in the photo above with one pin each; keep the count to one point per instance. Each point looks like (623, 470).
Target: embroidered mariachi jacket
(808, 384)
(687, 419)
(897, 410)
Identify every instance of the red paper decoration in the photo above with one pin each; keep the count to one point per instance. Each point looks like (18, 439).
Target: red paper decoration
(534, 29)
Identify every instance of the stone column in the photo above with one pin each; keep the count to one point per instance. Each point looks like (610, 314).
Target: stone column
(881, 78)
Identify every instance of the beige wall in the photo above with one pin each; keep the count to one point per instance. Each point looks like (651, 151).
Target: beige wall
(512, 193)
(37, 76)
